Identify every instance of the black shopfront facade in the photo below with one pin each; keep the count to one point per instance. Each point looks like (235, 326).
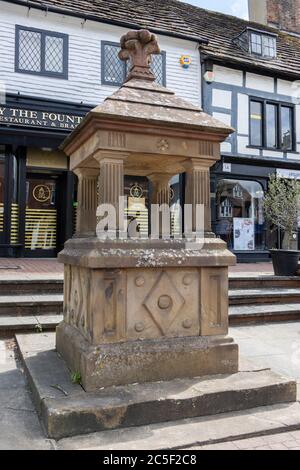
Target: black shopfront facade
(38, 193)
(37, 190)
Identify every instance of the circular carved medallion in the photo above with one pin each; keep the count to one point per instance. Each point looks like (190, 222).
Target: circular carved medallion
(139, 327)
(140, 281)
(188, 279)
(187, 324)
(164, 302)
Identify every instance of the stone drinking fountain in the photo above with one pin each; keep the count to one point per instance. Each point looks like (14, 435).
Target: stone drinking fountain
(144, 310)
(145, 329)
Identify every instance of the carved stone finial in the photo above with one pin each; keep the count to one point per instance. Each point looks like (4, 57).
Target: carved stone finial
(138, 46)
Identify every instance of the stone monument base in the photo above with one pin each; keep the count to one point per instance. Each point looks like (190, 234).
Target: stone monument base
(65, 409)
(145, 361)
(145, 310)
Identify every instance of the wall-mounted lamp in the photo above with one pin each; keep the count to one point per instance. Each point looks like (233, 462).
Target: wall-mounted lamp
(209, 76)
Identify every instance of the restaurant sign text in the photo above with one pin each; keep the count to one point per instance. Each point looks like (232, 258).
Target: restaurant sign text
(31, 118)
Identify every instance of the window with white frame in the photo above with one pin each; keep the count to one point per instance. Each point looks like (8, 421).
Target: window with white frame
(41, 52)
(263, 45)
(114, 71)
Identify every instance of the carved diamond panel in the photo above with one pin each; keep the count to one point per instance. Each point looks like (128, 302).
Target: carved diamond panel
(164, 302)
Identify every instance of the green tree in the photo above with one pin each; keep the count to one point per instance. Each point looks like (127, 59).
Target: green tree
(281, 206)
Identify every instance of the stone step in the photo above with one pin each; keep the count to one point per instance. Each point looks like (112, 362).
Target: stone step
(39, 323)
(192, 433)
(263, 313)
(44, 304)
(259, 281)
(264, 295)
(21, 286)
(67, 410)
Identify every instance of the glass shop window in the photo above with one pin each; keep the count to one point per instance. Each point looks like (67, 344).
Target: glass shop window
(240, 216)
(272, 125)
(137, 194)
(138, 200)
(2, 176)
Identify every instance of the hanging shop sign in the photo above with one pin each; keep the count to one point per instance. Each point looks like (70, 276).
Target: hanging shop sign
(42, 119)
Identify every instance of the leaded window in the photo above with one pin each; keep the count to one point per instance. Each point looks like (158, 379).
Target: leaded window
(114, 70)
(258, 43)
(41, 52)
(263, 45)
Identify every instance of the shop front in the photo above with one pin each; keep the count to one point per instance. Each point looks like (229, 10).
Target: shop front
(38, 193)
(237, 207)
(238, 211)
(37, 190)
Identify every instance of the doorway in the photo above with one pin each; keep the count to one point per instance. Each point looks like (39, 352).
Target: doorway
(41, 215)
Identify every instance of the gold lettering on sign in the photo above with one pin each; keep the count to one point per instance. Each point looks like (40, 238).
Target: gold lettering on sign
(117, 139)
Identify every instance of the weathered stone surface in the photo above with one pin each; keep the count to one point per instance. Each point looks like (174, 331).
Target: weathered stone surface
(192, 432)
(151, 309)
(138, 404)
(145, 361)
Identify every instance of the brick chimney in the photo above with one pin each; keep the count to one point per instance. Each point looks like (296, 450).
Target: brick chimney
(282, 14)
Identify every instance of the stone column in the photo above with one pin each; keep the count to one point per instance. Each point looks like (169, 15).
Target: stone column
(197, 191)
(111, 181)
(87, 201)
(160, 195)
(160, 188)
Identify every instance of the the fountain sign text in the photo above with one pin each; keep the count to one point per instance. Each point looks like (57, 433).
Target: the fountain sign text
(33, 118)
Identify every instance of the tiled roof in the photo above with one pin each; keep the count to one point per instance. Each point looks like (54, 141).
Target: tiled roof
(173, 16)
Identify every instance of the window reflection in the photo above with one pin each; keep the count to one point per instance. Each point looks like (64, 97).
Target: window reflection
(2, 174)
(256, 123)
(271, 117)
(240, 217)
(286, 128)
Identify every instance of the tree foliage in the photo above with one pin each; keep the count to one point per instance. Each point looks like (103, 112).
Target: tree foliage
(281, 204)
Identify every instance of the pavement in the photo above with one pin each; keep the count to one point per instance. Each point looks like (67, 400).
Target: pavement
(273, 345)
(31, 268)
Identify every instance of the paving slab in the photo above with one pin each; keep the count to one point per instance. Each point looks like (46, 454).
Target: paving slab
(68, 410)
(29, 322)
(195, 432)
(29, 299)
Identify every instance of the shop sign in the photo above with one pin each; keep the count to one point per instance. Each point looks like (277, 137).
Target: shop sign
(41, 193)
(42, 119)
(227, 167)
(288, 174)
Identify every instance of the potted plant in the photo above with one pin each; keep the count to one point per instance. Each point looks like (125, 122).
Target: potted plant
(281, 206)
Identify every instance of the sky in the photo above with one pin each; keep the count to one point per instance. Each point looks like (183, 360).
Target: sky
(232, 7)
